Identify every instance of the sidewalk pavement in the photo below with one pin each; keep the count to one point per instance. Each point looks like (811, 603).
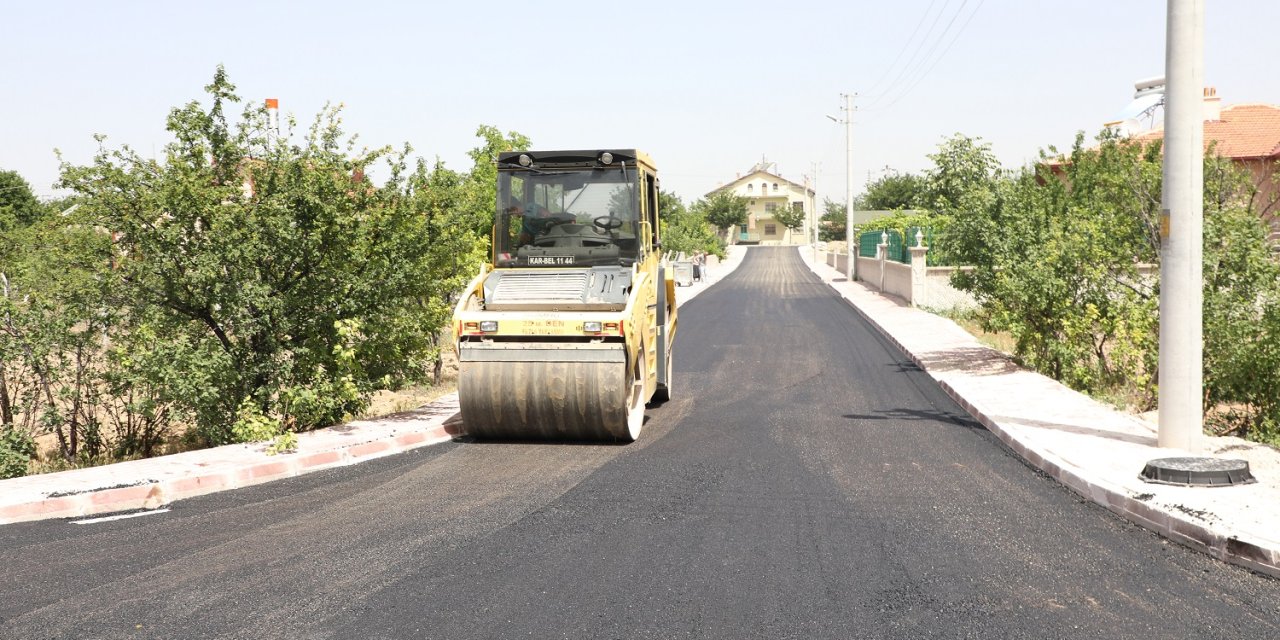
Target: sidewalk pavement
(156, 482)
(1093, 449)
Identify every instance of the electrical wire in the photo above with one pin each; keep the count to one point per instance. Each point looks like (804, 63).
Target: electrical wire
(911, 61)
(938, 59)
(905, 44)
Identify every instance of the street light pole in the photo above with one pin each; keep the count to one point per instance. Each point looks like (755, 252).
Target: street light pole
(1181, 231)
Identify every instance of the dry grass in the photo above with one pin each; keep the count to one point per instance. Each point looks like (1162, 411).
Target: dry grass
(1001, 341)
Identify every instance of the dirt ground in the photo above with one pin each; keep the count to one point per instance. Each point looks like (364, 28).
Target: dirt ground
(388, 402)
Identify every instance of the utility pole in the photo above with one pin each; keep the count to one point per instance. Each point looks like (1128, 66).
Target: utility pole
(814, 218)
(852, 258)
(852, 261)
(1181, 231)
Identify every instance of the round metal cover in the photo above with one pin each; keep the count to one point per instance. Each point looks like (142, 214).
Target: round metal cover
(1198, 472)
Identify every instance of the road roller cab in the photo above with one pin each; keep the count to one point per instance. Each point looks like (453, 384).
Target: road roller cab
(566, 333)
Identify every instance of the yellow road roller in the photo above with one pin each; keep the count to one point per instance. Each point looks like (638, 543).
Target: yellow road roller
(566, 333)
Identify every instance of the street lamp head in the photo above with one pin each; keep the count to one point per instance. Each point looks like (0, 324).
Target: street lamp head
(832, 118)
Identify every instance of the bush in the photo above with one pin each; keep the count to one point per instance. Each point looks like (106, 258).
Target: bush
(275, 275)
(17, 448)
(1056, 249)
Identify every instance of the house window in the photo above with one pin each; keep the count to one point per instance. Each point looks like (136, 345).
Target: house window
(770, 207)
(749, 186)
(797, 207)
(775, 187)
(771, 229)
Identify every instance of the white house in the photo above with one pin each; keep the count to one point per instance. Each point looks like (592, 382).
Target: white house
(767, 192)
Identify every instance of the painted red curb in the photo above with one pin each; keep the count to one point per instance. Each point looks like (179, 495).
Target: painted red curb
(370, 448)
(49, 508)
(320, 459)
(199, 485)
(157, 494)
(126, 495)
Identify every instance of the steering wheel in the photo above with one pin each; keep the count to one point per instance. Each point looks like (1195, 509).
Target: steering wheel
(609, 222)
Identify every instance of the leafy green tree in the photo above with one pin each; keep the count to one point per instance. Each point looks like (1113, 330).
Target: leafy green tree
(56, 304)
(684, 230)
(1241, 307)
(963, 179)
(790, 217)
(285, 284)
(18, 206)
(832, 226)
(479, 186)
(893, 191)
(963, 192)
(1056, 250)
(19, 209)
(723, 209)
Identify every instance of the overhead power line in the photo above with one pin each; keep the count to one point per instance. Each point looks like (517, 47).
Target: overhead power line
(897, 79)
(932, 63)
(906, 43)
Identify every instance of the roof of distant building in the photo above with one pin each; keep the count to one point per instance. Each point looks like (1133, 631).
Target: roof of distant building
(757, 171)
(1241, 131)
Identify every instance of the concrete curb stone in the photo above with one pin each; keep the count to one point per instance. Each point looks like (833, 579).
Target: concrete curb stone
(209, 471)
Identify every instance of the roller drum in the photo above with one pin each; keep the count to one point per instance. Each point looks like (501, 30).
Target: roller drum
(549, 392)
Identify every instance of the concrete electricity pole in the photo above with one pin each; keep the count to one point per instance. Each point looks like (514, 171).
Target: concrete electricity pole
(1181, 230)
(814, 218)
(852, 257)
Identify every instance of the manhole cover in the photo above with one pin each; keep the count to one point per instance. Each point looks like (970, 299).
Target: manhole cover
(1198, 472)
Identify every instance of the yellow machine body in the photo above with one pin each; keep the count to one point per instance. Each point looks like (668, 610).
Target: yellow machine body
(567, 332)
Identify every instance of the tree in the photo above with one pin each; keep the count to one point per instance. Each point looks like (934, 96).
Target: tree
(480, 190)
(723, 209)
(834, 219)
(684, 230)
(19, 209)
(962, 192)
(893, 191)
(1241, 307)
(791, 217)
(280, 283)
(56, 305)
(1055, 250)
(18, 206)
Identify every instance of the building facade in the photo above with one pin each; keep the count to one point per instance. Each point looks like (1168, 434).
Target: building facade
(767, 193)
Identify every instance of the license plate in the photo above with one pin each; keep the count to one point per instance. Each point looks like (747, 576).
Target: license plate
(551, 260)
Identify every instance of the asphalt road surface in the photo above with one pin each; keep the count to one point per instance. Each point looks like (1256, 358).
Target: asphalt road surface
(806, 482)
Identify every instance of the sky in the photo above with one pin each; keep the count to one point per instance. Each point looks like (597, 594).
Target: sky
(708, 89)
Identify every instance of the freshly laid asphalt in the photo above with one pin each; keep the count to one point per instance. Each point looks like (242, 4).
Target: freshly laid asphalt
(807, 481)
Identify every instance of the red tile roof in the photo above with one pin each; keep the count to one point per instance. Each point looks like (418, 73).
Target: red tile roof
(1243, 131)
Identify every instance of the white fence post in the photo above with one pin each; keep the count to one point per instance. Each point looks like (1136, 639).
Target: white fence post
(882, 252)
(919, 272)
